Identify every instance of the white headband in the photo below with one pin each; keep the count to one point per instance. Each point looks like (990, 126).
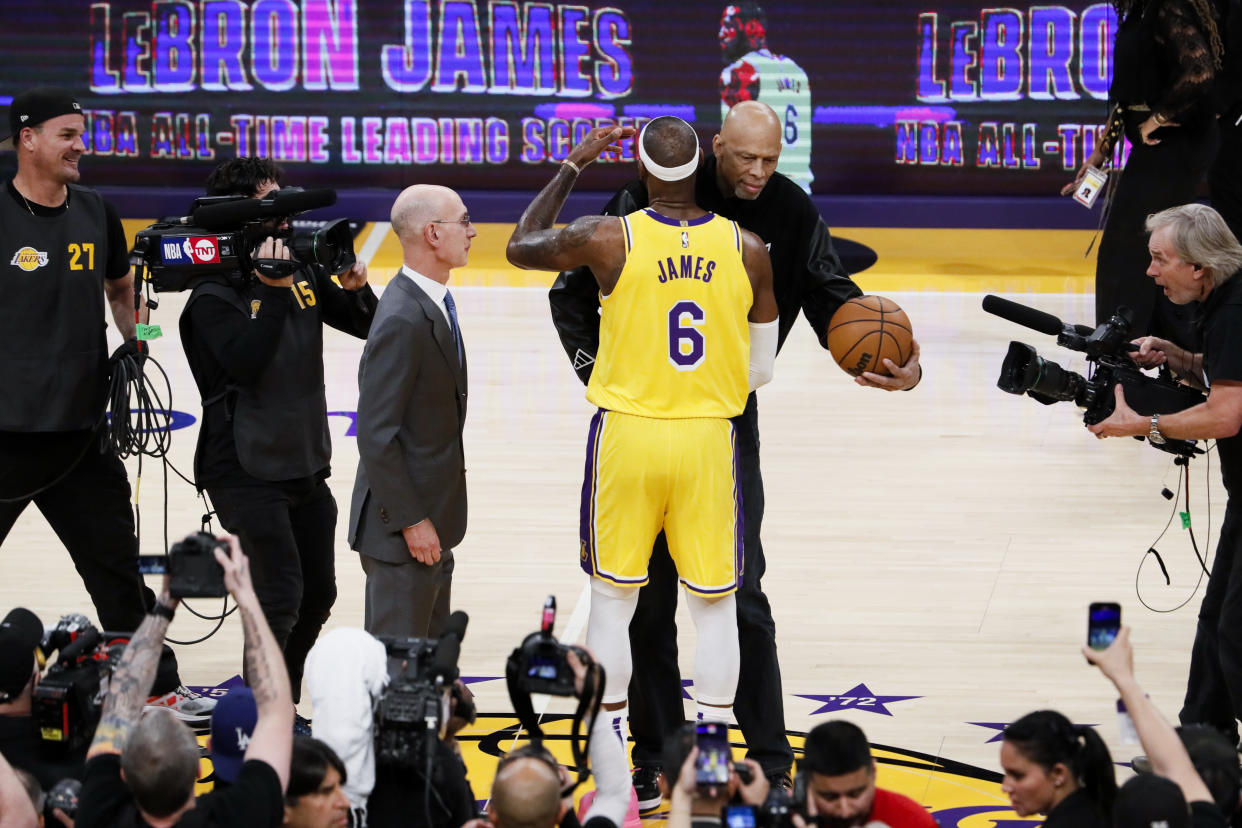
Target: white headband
(668, 173)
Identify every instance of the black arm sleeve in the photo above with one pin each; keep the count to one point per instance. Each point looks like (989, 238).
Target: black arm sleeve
(825, 284)
(574, 295)
(242, 347)
(349, 311)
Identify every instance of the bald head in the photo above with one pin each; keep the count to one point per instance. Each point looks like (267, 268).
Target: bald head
(418, 205)
(434, 229)
(751, 122)
(526, 794)
(747, 149)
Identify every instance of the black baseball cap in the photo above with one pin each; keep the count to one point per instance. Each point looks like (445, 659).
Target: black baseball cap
(20, 635)
(1151, 801)
(34, 106)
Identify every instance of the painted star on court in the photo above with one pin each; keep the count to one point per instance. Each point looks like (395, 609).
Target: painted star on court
(858, 697)
(999, 727)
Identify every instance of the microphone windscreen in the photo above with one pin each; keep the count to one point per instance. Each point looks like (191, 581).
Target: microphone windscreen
(228, 215)
(444, 660)
(456, 624)
(286, 203)
(1027, 317)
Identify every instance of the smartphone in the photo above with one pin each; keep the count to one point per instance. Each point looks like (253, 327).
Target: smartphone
(739, 816)
(712, 768)
(1103, 624)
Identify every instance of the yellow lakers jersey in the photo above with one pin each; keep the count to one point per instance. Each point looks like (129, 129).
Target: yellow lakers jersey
(673, 340)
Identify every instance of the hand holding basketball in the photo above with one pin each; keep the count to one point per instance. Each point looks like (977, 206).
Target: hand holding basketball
(870, 337)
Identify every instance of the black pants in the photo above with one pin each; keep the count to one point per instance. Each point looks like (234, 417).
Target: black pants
(89, 511)
(655, 686)
(287, 530)
(1214, 689)
(1225, 177)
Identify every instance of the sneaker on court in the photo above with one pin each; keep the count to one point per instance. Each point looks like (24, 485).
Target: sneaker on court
(301, 725)
(186, 705)
(647, 786)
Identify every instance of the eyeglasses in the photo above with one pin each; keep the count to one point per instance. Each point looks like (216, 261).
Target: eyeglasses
(464, 222)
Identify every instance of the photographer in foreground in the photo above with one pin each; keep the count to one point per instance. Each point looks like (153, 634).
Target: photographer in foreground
(141, 769)
(1163, 746)
(1194, 257)
(20, 740)
(532, 790)
(255, 346)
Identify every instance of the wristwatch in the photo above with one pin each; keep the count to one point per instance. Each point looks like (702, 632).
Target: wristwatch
(1153, 433)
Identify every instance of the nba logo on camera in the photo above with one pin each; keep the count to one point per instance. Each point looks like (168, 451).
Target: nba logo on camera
(176, 250)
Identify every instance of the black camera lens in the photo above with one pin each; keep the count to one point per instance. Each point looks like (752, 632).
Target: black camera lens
(1026, 372)
(331, 246)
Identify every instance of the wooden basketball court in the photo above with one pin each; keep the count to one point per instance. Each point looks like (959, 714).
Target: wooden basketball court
(930, 554)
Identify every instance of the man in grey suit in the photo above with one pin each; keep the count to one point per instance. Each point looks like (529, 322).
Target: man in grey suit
(409, 503)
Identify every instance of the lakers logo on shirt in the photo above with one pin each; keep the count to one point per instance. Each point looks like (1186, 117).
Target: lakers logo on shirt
(254, 308)
(29, 259)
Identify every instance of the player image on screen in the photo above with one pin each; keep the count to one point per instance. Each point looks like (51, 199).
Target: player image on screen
(754, 73)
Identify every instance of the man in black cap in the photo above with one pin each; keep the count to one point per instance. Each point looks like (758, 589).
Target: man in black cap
(20, 634)
(64, 255)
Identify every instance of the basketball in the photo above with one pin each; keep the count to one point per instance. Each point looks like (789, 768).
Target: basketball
(866, 330)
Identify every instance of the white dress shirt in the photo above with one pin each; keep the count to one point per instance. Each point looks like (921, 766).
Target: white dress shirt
(432, 288)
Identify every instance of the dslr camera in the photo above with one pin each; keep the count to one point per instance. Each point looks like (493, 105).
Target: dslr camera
(541, 663)
(191, 566)
(68, 699)
(1107, 348)
(413, 713)
(219, 236)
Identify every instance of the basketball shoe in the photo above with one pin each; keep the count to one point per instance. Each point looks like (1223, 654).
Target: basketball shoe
(647, 786)
(186, 705)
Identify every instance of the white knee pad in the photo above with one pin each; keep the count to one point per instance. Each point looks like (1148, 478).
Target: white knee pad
(608, 635)
(717, 659)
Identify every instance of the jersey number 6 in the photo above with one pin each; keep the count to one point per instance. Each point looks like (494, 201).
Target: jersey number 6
(685, 340)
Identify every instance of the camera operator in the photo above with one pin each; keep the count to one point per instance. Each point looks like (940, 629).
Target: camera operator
(529, 790)
(1194, 257)
(255, 347)
(141, 769)
(20, 741)
(346, 676)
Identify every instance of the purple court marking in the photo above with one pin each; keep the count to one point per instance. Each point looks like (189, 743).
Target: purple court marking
(685, 694)
(858, 697)
(955, 816)
(881, 116)
(569, 111)
(999, 727)
(477, 679)
(217, 691)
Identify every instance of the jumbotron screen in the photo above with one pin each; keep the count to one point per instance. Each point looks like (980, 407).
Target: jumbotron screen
(891, 98)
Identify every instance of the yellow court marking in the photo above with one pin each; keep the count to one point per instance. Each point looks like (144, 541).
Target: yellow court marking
(931, 260)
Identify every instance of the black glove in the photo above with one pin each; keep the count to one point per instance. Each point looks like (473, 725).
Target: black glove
(128, 348)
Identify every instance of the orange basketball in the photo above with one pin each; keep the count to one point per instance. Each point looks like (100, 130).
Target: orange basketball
(866, 330)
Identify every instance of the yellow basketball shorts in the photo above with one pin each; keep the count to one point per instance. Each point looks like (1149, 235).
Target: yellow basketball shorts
(680, 475)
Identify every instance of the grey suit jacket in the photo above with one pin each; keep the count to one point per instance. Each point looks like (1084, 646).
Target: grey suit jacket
(411, 410)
